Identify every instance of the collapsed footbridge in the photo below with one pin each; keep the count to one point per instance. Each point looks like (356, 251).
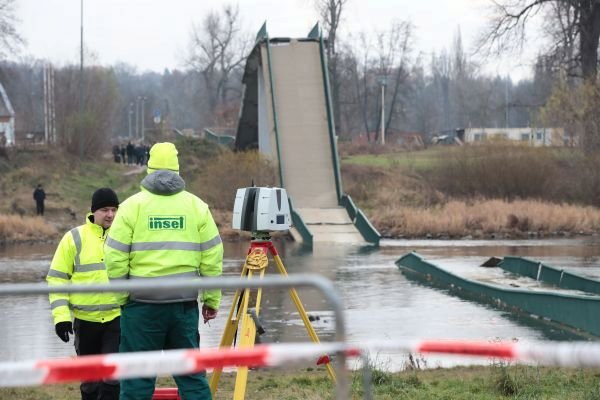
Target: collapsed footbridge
(287, 114)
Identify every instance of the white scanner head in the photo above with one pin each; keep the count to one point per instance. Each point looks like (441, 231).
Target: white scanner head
(261, 209)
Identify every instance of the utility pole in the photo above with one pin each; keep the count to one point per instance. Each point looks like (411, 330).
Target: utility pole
(81, 89)
(382, 82)
(49, 113)
(506, 103)
(383, 113)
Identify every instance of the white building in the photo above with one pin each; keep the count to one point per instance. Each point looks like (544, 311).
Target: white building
(7, 119)
(532, 136)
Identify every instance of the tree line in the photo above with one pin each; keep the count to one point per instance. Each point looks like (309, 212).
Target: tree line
(422, 93)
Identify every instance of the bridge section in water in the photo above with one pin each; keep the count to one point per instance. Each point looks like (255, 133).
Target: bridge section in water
(287, 114)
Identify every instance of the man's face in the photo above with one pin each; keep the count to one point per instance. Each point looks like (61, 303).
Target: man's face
(104, 216)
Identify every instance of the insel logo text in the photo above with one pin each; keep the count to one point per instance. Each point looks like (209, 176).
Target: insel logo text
(174, 222)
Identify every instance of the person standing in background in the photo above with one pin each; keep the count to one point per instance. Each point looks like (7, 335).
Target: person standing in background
(39, 196)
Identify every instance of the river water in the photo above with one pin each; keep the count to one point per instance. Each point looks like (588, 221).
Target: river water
(380, 302)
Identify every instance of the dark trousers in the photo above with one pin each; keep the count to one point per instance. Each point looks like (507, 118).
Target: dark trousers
(39, 207)
(146, 327)
(97, 338)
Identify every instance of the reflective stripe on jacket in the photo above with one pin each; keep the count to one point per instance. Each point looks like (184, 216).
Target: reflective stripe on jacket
(79, 260)
(164, 231)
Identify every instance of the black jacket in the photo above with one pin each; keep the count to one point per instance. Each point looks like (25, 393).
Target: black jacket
(39, 194)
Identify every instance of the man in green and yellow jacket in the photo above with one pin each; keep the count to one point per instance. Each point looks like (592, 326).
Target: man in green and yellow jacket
(79, 259)
(164, 232)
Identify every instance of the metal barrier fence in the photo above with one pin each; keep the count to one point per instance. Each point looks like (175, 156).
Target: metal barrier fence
(144, 364)
(293, 281)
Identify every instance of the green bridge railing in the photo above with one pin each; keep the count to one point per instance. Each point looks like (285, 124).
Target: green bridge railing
(359, 219)
(226, 140)
(577, 312)
(544, 273)
(300, 225)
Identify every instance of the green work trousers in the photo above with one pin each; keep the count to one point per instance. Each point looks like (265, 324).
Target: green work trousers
(148, 327)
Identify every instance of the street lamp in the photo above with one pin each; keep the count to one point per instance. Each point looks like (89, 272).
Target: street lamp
(382, 83)
(137, 115)
(143, 103)
(81, 88)
(130, 116)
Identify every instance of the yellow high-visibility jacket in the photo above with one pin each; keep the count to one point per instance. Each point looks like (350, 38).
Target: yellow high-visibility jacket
(79, 259)
(164, 231)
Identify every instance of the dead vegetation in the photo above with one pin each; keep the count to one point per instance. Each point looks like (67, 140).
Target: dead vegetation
(14, 228)
(499, 190)
(488, 218)
(476, 192)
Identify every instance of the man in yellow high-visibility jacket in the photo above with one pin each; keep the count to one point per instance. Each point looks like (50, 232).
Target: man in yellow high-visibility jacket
(164, 232)
(79, 260)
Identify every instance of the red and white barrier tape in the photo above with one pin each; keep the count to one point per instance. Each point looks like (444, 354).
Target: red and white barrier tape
(178, 362)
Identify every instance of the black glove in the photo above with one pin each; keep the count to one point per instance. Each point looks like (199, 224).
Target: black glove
(63, 329)
(208, 313)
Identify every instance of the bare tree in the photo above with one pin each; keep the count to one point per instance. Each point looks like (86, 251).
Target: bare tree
(575, 23)
(441, 68)
(376, 59)
(360, 65)
(24, 85)
(217, 48)
(462, 74)
(10, 40)
(394, 46)
(424, 104)
(560, 28)
(101, 106)
(331, 16)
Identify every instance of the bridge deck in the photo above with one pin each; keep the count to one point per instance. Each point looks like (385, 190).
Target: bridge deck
(307, 161)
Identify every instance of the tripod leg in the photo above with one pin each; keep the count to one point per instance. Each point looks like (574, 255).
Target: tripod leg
(228, 333)
(246, 339)
(300, 307)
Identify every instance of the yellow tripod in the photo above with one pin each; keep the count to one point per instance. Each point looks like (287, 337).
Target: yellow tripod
(246, 307)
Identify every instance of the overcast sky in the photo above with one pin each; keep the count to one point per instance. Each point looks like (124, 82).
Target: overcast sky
(153, 34)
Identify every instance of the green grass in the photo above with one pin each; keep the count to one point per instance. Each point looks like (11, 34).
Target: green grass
(497, 381)
(94, 175)
(436, 156)
(69, 182)
(418, 161)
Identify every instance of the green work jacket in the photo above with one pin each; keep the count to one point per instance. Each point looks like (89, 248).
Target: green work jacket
(79, 259)
(164, 232)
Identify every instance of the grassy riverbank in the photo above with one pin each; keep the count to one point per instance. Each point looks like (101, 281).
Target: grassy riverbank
(494, 191)
(499, 191)
(477, 383)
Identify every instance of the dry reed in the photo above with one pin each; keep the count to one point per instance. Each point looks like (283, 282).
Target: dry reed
(485, 217)
(16, 228)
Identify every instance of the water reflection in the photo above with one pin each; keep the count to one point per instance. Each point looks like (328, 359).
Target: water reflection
(380, 302)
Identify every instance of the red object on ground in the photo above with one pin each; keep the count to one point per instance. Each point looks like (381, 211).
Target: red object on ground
(166, 394)
(324, 359)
